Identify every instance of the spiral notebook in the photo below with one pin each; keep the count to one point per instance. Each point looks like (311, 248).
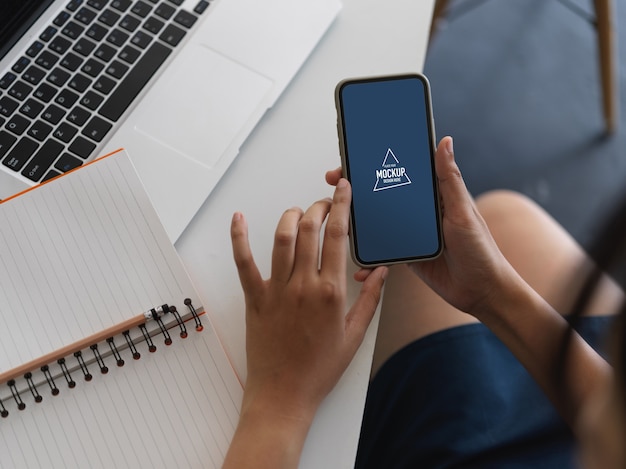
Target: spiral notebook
(107, 358)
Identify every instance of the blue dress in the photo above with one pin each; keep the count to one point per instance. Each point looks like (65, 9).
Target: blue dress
(459, 399)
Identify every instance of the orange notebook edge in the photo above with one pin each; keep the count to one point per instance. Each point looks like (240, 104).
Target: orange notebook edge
(25, 191)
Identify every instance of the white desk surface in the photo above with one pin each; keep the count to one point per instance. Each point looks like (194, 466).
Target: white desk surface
(282, 164)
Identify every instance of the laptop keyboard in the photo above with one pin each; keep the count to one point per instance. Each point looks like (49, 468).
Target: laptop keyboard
(76, 80)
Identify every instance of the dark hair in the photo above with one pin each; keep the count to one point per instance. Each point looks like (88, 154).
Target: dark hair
(608, 251)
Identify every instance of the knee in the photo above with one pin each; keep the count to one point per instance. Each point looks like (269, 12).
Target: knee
(498, 206)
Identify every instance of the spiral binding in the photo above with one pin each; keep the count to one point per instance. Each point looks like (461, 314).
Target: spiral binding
(82, 365)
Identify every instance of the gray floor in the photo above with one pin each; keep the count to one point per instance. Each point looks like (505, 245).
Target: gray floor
(516, 83)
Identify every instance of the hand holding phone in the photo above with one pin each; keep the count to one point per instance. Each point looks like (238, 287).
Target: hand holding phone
(387, 146)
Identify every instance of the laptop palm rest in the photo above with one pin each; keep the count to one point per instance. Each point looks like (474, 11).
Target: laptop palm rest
(202, 125)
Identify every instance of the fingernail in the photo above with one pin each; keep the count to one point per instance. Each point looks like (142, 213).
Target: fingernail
(342, 183)
(450, 145)
(237, 216)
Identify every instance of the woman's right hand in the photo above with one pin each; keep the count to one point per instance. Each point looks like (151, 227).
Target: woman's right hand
(471, 272)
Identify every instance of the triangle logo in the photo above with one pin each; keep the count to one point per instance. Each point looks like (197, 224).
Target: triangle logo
(391, 174)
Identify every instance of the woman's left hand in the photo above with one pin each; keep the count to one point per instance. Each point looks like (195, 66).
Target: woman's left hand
(299, 339)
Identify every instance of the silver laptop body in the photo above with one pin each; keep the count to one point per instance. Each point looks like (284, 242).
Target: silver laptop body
(179, 84)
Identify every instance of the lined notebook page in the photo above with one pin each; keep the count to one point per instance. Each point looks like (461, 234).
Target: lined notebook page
(80, 254)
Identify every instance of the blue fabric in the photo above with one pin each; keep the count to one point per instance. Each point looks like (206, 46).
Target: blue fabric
(459, 399)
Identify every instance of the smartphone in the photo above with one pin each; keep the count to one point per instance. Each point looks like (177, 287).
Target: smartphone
(387, 145)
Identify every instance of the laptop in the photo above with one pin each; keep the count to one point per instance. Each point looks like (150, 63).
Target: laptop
(179, 84)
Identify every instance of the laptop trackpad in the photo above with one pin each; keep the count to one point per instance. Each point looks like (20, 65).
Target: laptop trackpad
(201, 103)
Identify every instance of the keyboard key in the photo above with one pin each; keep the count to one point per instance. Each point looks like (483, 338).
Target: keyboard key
(20, 90)
(65, 132)
(35, 48)
(104, 85)
(92, 67)
(85, 15)
(129, 54)
(7, 80)
(201, 6)
(97, 4)
(61, 18)
(172, 35)
(109, 17)
(91, 100)
(74, 4)
(165, 11)
(84, 46)
(59, 45)
(51, 174)
(42, 160)
(17, 124)
(58, 76)
(21, 65)
(141, 39)
(7, 106)
(73, 30)
(31, 108)
(53, 114)
(45, 92)
(48, 33)
(39, 130)
(97, 32)
(105, 52)
(20, 154)
(82, 147)
(78, 116)
(96, 128)
(121, 5)
(177, 2)
(71, 62)
(33, 75)
(129, 23)
(185, 19)
(47, 60)
(67, 162)
(80, 82)
(153, 25)
(134, 81)
(141, 9)
(6, 141)
(117, 37)
(66, 98)
(116, 69)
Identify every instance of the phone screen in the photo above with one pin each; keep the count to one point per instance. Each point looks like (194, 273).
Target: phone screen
(388, 146)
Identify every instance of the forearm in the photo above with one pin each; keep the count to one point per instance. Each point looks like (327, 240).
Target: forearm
(535, 333)
(264, 439)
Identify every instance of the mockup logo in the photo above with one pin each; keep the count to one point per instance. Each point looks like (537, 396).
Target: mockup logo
(391, 174)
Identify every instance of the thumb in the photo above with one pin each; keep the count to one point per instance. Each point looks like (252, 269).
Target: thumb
(455, 197)
(249, 275)
(364, 307)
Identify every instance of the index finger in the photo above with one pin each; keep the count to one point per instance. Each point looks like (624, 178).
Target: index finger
(334, 249)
